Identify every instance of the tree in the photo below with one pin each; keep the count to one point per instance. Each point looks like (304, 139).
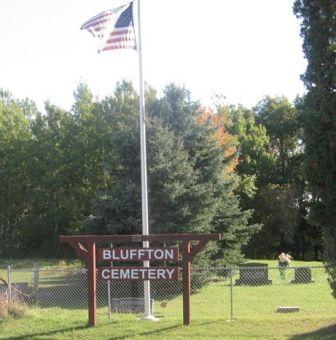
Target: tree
(280, 119)
(68, 153)
(211, 151)
(14, 132)
(189, 189)
(280, 194)
(318, 30)
(61, 168)
(271, 161)
(117, 209)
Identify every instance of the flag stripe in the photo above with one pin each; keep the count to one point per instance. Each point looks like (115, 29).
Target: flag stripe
(115, 47)
(122, 30)
(103, 16)
(127, 42)
(95, 23)
(119, 40)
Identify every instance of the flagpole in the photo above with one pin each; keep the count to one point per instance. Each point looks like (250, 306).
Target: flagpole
(144, 193)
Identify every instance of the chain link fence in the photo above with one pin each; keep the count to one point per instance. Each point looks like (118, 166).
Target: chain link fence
(252, 291)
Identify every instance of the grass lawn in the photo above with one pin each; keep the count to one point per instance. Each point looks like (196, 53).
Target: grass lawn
(254, 310)
(65, 324)
(28, 263)
(294, 263)
(23, 268)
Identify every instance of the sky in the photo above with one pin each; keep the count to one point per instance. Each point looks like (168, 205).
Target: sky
(242, 49)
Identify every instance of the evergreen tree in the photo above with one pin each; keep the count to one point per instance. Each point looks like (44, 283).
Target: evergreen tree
(318, 29)
(188, 188)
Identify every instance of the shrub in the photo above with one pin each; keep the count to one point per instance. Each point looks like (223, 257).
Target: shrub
(3, 307)
(14, 308)
(17, 309)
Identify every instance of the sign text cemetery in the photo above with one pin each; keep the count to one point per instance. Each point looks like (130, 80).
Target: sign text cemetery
(138, 273)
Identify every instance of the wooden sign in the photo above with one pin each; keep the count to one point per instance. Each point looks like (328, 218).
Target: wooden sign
(85, 246)
(138, 273)
(138, 254)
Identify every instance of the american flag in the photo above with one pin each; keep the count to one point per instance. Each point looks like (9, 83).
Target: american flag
(114, 27)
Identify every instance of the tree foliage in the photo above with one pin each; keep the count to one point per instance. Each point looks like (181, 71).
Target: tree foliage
(229, 169)
(189, 187)
(270, 166)
(78, 171)
(318, 30)
(15, 134)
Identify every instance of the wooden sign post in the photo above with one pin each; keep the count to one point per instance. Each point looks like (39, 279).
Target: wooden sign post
(85, 246)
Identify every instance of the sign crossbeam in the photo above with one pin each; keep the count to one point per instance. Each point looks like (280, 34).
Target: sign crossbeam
(141, 238)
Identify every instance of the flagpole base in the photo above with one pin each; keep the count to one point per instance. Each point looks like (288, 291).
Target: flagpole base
(150, 318)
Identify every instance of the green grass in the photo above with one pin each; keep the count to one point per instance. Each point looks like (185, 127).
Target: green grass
(23, 268)
(254, 312)
(61, 324)
(294, 263)
(314, 299)
(75, 263)
(26, 275)
(45, 263)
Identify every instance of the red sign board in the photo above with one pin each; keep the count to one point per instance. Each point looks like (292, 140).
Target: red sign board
(138, 254)
(138, 273)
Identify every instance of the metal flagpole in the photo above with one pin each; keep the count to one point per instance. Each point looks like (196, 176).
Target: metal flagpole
(144, 195)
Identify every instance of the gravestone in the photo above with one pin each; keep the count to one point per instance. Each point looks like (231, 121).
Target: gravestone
(253, 274)
(288, 309)
(302, 275)
(129, 305)
(20, 291)
(3, 289)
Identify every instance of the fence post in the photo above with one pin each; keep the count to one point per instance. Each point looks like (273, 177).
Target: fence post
(109, 291)
(109, 300)
(36, 280)
(231, 294)
(9, 282)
